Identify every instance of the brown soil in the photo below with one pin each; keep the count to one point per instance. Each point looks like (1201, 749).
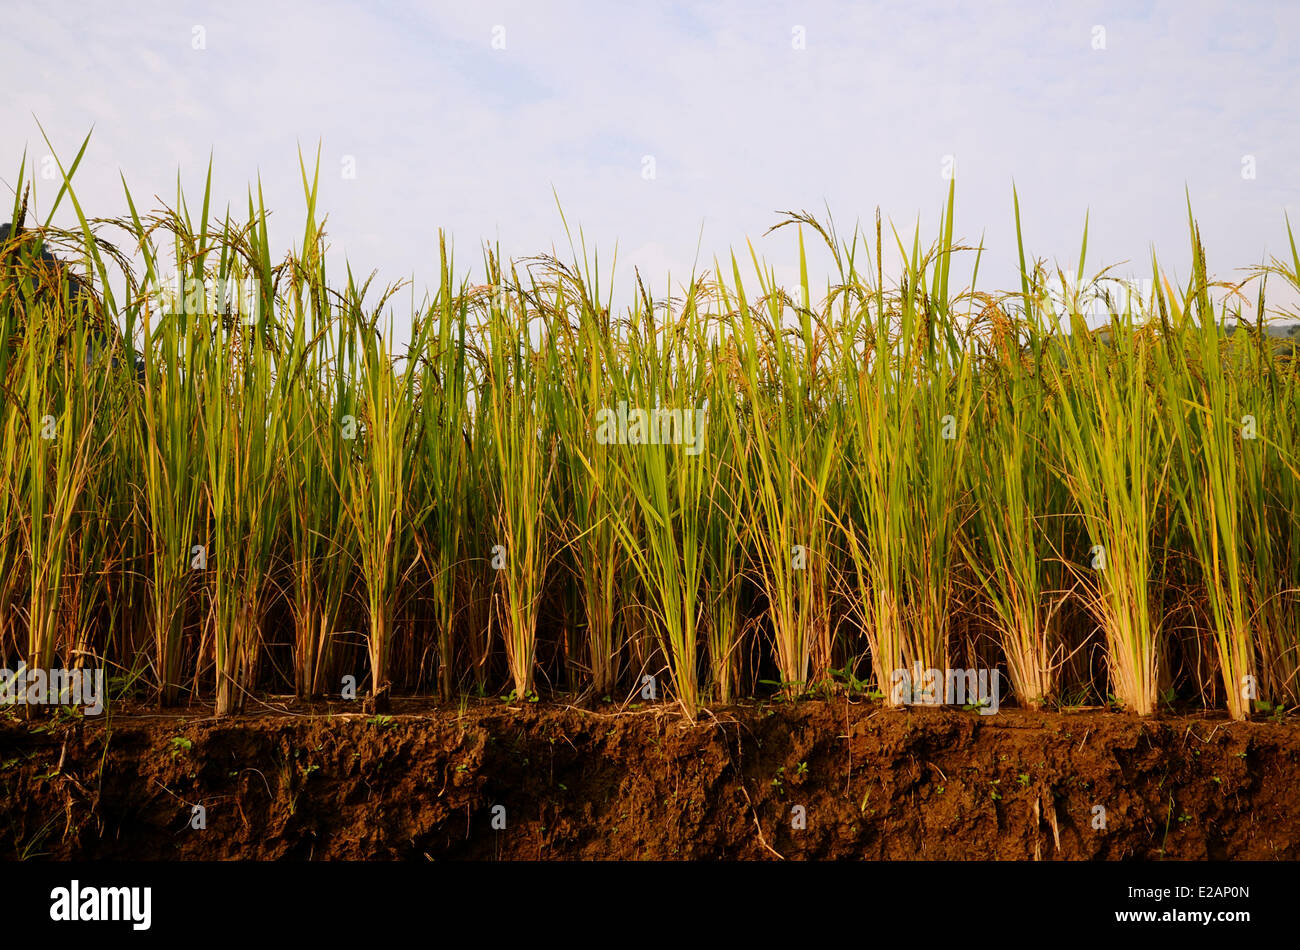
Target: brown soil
(318, 783)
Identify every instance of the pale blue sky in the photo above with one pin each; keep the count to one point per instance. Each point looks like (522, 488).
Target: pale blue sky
(449, 132)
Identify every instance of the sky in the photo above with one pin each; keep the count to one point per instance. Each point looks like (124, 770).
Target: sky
(674, 134)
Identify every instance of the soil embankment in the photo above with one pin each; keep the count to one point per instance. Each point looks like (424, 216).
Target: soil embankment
(810, 780)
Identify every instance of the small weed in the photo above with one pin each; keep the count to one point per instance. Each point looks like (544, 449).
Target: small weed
(1276, 712)
(777, 783)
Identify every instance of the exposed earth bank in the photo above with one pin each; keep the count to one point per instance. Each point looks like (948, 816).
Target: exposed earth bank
(809, 780)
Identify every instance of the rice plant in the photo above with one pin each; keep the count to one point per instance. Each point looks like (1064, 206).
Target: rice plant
(379, 482)
(664, 469)
(1111, 430)
(908, 388)
(170, 436)
(524, 462)
(793, 447)
(444, 423)
(587, 466)
(1019, 510)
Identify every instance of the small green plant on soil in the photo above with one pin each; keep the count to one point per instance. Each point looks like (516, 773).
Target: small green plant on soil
(1073, 698)
(847, 680)
(1275, 711)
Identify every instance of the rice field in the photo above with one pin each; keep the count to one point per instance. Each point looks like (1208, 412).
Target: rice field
(741, 489)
